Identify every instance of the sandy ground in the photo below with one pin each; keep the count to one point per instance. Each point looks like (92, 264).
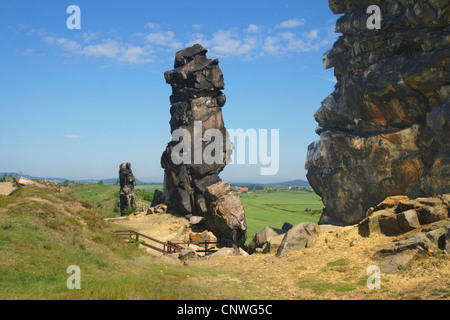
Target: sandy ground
(165, 228)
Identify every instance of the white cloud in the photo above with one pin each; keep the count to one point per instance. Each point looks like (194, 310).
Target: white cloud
(108, 48)
(313, 34)
(32, 53)
(253, 28)
(272, 45)
(69, 45)
(144, 47)
(89, 36)
(228, 43)
(72, 136)
(164, 39)
(198, 38)
(135, 54)
(151, 25)
(291, 23)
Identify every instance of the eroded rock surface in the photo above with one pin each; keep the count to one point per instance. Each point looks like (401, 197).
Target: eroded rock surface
(385, 129)
(197, 102)
(419, 226)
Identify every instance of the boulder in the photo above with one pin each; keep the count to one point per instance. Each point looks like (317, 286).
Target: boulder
(160, 209)
(287, 226)
(187, 254)
(158, 198)
(389, 202)
(416, 247)
(385, 129)
(225, 215)
(268, 239)
(408, 220)
(27, 182)
(432, 214)
(446, 199)
(371, 224)
(401, 255)
(408, 205)
(406, 216)
(226, 252)
(196, 220)
(202, 237)
(299, 237)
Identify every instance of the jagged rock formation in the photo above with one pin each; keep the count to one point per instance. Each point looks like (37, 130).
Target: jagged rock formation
(196, 102)
(422, 226)
(128, 198)
(385, 129)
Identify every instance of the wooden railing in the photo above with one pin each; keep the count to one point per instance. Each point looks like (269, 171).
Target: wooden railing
(166, 247)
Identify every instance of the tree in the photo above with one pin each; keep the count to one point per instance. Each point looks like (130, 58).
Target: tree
(100, 182)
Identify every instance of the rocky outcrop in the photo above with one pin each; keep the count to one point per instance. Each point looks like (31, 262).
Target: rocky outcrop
(299, 237)
(197, 102)
(385, 129)
(267, 240)
(404, 216)
(225, 214)
(419, 226)
(128, 198)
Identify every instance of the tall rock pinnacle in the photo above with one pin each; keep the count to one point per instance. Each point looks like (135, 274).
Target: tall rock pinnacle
(193, 186)
(128, 199)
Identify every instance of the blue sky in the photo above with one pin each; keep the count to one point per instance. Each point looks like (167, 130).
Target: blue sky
(77, 103)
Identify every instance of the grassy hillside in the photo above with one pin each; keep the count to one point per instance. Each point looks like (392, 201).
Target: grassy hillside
(103, 197)
(44, 231)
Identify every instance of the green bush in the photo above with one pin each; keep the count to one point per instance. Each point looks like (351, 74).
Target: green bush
(144, 195)
(129, 210)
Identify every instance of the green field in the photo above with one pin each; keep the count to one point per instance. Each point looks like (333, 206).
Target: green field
(261, 208)
(150, 187)
(276, 208)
